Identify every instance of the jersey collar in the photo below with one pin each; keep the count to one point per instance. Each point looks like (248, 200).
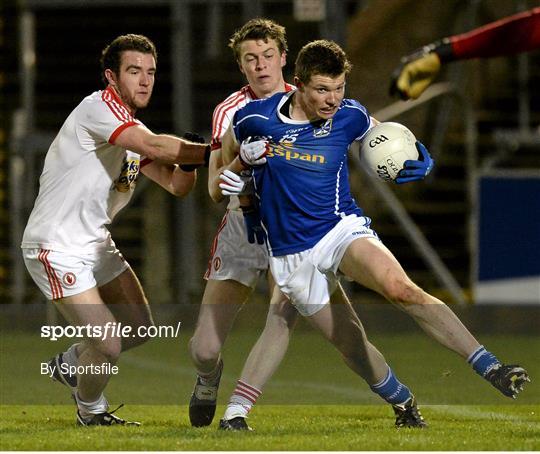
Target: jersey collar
(284, 118)
(117, 99)
(286, 88)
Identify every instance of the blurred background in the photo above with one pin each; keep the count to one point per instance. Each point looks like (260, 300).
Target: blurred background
(469, 234)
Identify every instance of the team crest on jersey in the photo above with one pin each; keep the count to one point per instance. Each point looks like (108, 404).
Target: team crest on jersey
(69, 279)
(324, 130)
(128, 174)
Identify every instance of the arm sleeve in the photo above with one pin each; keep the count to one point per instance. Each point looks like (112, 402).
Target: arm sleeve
(239, 127)
(104, 121)
(511, 35)
(359, 118)
(221, 119)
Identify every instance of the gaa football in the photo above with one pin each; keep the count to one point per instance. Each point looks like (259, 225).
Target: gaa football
(386, 147)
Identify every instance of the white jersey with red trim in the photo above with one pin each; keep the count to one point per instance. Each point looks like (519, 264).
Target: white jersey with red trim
(222, 118)
(86, 178)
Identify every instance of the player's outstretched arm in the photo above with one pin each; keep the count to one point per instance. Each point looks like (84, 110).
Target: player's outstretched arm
(511, 35)
(171, 177)
(417, 71)
(163, 147)
(178, 179)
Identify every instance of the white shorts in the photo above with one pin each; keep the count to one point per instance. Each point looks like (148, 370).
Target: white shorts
(232, 256)
(309, 278)
(62, 274)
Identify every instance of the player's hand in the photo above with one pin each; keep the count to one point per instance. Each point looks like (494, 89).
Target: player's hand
(417, 70)
(411, 78)
(234, 184)
(252, 153)
(414, 170)
(252, 221)
(195, 138)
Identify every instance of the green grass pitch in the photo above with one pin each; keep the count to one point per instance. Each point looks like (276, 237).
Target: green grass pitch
(312, 403)
(291, 428)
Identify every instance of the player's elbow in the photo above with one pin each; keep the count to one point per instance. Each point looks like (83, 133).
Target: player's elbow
(150, 148)
(183, 187)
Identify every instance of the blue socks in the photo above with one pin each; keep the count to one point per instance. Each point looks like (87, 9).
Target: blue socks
(391, 389)
(482, 361)
(396, 393)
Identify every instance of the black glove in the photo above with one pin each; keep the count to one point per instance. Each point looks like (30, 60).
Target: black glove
(194, 137)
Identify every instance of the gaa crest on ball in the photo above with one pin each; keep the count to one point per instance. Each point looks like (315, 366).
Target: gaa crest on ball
(386, 147)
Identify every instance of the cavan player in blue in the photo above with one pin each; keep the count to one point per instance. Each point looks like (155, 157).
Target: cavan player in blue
(297, 144)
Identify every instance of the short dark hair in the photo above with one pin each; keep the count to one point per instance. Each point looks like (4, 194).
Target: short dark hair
(256, 29)
(111, 56)
(322, 57)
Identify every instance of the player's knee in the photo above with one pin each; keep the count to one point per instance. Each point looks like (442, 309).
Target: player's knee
(203, 351)
(110, 349)
(290, 317)
(403, 292)
(283, 321)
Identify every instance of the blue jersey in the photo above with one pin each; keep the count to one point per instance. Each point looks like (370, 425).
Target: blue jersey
(303, 188)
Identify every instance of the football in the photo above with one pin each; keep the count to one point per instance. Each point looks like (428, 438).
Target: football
(386, 147)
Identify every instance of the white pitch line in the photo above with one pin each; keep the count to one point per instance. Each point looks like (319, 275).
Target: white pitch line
(461, 410)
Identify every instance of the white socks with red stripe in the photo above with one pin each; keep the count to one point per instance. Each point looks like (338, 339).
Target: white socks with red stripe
(242, 399)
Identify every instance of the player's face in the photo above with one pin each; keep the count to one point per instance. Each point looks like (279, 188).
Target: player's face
(262, 63)
(321, 97)
(135, 82)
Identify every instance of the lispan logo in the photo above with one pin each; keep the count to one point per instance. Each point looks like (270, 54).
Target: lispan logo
(289, 153)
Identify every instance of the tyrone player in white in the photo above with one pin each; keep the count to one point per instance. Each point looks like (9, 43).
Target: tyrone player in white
(89, 174)
(235, 264)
